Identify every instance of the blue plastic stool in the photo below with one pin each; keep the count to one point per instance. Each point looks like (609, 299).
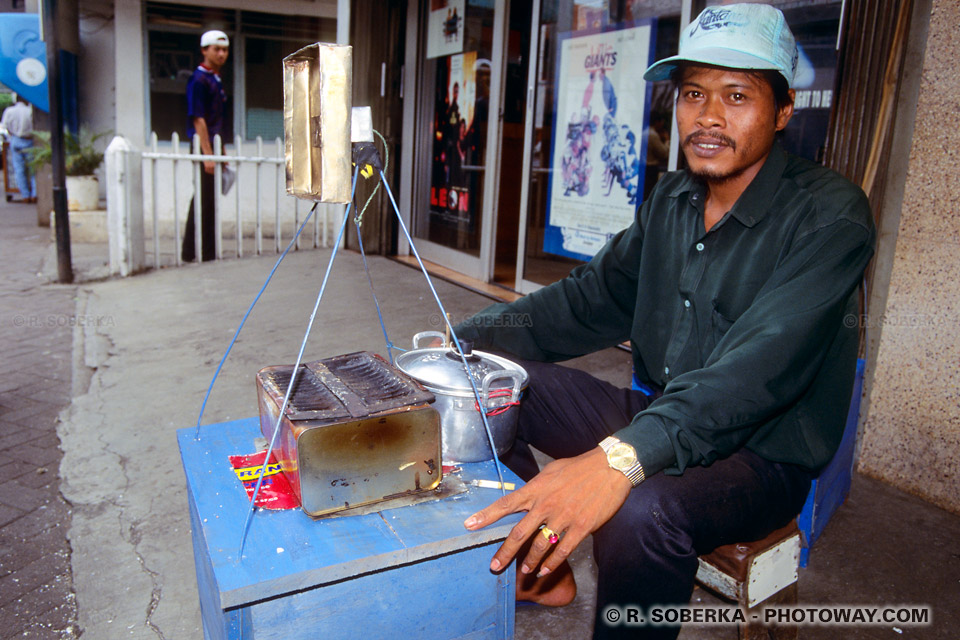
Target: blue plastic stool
(830, 488)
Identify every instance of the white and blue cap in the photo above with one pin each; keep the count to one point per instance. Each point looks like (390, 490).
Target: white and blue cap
(737, 36)
(214, 36)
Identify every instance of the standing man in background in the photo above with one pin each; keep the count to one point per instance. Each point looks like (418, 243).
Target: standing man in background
(17, 122)
(206, 106)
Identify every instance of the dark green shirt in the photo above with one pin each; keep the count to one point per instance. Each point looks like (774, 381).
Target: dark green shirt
(750, 329)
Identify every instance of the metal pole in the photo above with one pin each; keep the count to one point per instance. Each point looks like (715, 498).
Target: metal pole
(154, 146)
(60, 215)
(175, 143)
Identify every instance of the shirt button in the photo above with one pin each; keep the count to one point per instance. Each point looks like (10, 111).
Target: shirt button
(686, 303)
(699, 246)
(666, 370)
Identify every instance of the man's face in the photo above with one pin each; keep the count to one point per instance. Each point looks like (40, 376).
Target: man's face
(727, 121)
(215, 56)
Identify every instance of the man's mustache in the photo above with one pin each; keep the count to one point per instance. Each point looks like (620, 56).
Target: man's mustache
(702, 136)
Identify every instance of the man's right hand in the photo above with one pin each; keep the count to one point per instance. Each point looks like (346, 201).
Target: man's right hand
(208, 166)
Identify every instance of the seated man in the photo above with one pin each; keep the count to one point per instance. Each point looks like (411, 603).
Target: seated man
(735, 285)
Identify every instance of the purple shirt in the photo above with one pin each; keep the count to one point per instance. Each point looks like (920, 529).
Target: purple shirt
(205, 99)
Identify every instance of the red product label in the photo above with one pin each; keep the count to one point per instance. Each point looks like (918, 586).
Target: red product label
(275, 492)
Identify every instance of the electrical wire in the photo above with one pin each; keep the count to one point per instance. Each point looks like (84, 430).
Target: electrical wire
(376, 302)
(358, 221)
(386, 163)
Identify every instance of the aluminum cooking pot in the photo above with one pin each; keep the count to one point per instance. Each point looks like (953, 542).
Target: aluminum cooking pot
(498, 380)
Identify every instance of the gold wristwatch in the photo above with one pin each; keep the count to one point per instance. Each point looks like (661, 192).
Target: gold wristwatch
(623, 457)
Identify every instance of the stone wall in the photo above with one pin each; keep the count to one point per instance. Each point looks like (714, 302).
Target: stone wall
(911, 435)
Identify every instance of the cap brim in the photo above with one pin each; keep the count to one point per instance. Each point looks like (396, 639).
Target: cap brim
(716, 57)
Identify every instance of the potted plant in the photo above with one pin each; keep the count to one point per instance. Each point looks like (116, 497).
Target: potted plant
(81, 160)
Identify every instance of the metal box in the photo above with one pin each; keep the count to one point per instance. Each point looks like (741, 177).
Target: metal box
(317, 102)
(355, 432)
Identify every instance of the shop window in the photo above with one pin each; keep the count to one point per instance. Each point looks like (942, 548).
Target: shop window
(458, 43)
(252, 77)
(263, 105)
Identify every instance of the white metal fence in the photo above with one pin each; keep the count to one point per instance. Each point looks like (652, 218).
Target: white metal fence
(148, 195)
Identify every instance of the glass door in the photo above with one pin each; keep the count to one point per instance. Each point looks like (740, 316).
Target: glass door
(597, 138)
(457, 133)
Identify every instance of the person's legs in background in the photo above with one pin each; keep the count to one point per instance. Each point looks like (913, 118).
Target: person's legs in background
(19, 157)
(208, 224)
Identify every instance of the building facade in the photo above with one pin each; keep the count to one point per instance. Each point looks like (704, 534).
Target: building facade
(521, 135)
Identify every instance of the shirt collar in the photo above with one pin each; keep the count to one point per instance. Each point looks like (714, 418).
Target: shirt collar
(206, 69)
(753, 204)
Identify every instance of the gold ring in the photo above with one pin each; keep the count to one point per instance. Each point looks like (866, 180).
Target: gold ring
(549, 534)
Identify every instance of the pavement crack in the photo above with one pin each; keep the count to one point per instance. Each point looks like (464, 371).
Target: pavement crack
(156, 591)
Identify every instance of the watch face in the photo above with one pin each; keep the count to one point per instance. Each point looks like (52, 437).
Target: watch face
(621, 456)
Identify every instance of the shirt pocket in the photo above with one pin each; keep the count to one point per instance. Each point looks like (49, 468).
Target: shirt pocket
(719, 325)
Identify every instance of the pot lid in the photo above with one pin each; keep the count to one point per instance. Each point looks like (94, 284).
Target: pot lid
(441, 368)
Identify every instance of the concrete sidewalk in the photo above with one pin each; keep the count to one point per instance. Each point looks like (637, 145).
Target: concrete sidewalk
(144, 353)
(148, 346)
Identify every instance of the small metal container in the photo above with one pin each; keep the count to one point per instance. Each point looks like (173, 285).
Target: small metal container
(499, 382)
(355, 432)
(317, 102)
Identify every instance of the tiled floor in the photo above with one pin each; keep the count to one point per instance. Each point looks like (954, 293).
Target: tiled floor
(37, 319)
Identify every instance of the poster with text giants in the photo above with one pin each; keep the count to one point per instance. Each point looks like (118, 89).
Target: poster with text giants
(598, 146)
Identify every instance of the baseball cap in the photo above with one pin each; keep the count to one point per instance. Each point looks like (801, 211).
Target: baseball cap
(214, 37)
(737, 36)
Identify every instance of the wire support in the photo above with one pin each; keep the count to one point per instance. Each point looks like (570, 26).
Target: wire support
(453, 334)
(296, 368)
(373, 292)
(247, 315)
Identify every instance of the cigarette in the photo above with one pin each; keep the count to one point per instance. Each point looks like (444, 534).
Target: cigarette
(492, 484)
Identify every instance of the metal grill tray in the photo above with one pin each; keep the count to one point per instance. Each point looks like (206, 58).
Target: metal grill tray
(354, 385)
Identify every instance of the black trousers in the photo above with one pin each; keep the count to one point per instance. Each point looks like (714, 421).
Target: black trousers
(647, 553)
(208, 226)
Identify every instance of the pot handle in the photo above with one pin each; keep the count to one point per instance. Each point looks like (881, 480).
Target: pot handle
(495, 375)
(428, 334)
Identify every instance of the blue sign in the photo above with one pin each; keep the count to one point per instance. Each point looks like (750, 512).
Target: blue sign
(23, 58)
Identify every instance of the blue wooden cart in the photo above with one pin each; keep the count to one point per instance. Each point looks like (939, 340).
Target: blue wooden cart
(410, 572)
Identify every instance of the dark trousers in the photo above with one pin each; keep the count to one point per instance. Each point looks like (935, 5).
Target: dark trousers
(207, 225)
(647, 553)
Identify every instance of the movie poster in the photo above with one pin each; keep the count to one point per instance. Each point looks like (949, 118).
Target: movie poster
(598, 147)
(445, 28)
(452, 188)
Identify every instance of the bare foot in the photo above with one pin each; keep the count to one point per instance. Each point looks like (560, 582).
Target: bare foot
(555, 589)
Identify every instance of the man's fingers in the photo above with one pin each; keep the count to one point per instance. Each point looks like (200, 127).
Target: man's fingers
(539, 548)
(510, 503)
(561, 551)
(517, 537)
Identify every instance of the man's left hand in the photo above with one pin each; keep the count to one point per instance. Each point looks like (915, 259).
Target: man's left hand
(572, 496)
